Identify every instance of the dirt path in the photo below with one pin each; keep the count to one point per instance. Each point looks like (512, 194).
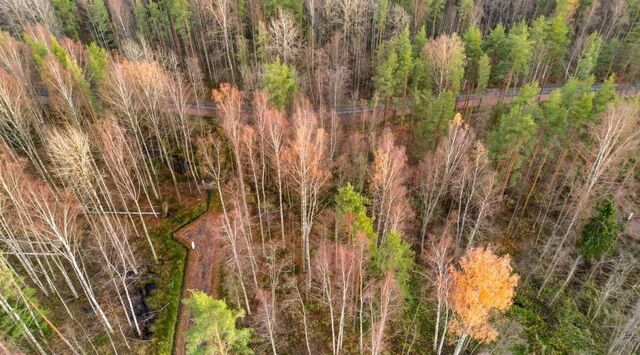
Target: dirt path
(203, 265)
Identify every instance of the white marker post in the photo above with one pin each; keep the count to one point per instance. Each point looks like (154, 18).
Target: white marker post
(193, 245)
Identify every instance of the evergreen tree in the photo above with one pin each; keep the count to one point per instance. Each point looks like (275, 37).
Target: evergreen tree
(520, 50)
(629, 55)
(606, 93)
(70, 64)
(434, 114)
(419, 41)
(406, 63)
(473, 51)
(484, 72)
(497, 49)
(465, 15)
(577, 97)
(600, 232)
(385, 81)
(67, 13)
(589, 57)
(180, 15)
(280, 83)
(553, 121)
(295, 7)
(558, 34)
(511, 142)
(99, 16)
(395, 65)
(435, 9)
(98, 59)
(352, 215)
(607, 62)
(380, 21)
(213, 327)
(395, 255)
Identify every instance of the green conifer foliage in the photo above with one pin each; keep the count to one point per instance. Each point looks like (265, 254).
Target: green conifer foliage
(600, 232)
(280, 83)
(213, 327)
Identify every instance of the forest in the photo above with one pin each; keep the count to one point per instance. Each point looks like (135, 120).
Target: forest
(319, 177)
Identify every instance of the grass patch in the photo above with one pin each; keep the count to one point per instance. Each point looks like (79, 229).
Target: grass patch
(558, 329)
(168, 276)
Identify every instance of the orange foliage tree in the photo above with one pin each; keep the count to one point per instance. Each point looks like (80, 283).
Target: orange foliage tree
(484, 286)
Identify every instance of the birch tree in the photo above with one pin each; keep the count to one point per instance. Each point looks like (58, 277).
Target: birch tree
(614, 140)
(390, 204)
(305, 163)
(439, 168)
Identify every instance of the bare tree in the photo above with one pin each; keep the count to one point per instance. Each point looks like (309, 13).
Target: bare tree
(626, 335)
(439, 168)
(335, 271)
(276, 139)
(268, 312)
(122, 163)
(621, 268)
(382, 299)
(283, 37)
(439, 258)
(614, 139)
(16, 15)
(390, 204)
(306, 165)
(474, 191)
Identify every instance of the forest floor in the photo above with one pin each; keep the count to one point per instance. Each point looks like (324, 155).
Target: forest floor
(204, 263)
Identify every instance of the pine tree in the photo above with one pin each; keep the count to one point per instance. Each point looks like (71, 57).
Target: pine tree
(553, 121)
(434, 113)
(395, 66)
(435, 9)
(396, 256)
(577, 97)
(352, 214)
(213, 327)
(606, 93)
(97, 61)
(473, 51)
(520, 50)
(512, 140)
(496, 47)
(18, 320)
(99, 16)
(280, 83)
(558, 34)
(484, 72)
(589, 57)
(67, 13)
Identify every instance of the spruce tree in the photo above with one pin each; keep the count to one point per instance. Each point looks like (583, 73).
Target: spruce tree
(600, 232)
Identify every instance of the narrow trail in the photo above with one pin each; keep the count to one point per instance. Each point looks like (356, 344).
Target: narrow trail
(204, 263)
